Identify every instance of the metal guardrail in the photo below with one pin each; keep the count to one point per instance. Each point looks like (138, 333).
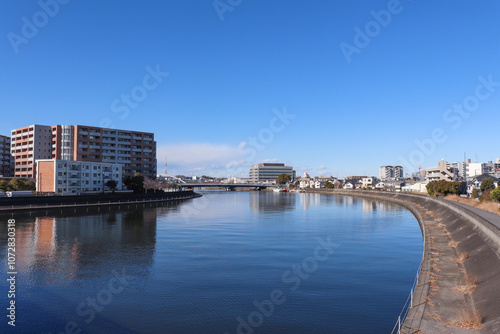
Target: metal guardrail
(407, 306)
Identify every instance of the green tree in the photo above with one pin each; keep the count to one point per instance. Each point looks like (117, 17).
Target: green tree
(3, 185)
(329, 185)
(30, 185)
(16, 184)
(135, 183)
(283, 178)
(112, 184)
(443, 188)
(485, 196)
(495, 194)
(486, 184)
(475, 193)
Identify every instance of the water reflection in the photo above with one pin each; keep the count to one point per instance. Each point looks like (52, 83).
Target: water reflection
(271, 202)
(55, 246)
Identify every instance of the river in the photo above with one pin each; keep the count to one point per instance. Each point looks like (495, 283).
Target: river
(228, 262)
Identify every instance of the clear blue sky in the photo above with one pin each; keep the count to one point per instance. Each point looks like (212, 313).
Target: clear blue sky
(225, 78)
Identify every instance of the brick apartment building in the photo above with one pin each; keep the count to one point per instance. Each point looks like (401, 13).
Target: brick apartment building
(135, 151)
(6, 160)
(28, 144)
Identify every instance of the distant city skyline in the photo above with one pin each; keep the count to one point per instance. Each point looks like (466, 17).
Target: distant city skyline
(331, 88)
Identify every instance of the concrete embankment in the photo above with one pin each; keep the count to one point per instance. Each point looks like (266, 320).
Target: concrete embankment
(458, 289)
(49, 202)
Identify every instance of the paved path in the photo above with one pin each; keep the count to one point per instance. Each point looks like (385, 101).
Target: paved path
(489, 216)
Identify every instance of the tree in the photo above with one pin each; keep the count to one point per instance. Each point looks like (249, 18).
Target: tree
(443, 187)
(16, 184)
(283, 178)
(30, 185)
(475, 193)
(112, 184)
(495, 194)
(152, 184)
(135, 183)
(329, 185)
(3, 185)
(486, 184)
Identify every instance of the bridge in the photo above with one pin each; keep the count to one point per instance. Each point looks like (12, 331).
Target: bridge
(227, 186)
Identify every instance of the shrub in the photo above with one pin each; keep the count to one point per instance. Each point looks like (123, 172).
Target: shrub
(495, 194)
(443, 187)
(486, 184)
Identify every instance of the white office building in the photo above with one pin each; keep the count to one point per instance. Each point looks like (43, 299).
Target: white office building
(269, 172)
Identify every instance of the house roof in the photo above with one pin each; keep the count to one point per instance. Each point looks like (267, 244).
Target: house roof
(485, 176)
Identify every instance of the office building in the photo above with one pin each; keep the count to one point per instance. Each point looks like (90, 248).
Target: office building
(6, 160)
(75, 177)
(269, 172)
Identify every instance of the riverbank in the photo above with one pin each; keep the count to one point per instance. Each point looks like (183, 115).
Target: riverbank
(51, 202)
(457, 289)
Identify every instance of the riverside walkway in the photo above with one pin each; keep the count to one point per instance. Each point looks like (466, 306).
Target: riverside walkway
(458, 287)
(16, 204)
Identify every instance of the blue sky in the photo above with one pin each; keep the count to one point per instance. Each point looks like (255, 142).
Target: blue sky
(225, 74)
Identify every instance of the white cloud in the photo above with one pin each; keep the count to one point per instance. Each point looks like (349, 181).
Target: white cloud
(190, 154)
(205, 158)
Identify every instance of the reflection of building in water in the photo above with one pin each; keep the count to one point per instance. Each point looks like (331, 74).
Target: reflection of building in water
(67, 242)
(271, 201)
(306, 200)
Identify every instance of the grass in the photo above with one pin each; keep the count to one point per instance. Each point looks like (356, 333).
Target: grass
(462, 256)
(468, 319)
(470, 284)
(486, 206)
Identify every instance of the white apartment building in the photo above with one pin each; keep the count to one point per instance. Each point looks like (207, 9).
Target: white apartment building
(391, 172)
(76, 177)
(369, 182)
(475, 169)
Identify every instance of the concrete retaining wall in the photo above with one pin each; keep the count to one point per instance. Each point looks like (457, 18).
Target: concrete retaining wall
(474, 235)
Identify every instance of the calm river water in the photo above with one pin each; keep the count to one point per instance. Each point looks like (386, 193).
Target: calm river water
(229, 262)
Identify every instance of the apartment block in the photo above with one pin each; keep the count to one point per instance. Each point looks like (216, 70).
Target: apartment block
(75, 177)
(442, 172)
(494, 168)
(391, 172)
(475, 169)
(6, 160)
(269, 172)
(27, 145)
(135, 151)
